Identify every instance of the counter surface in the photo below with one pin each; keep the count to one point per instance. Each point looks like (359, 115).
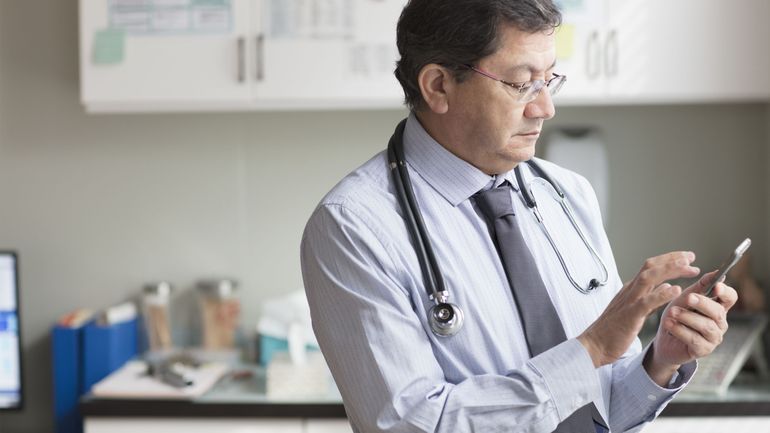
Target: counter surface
(246, 398)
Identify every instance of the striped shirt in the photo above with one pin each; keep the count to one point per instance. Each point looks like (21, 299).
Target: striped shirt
(369, 305)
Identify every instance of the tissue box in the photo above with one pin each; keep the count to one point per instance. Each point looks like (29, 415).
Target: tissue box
(287, 381)
(270, 346)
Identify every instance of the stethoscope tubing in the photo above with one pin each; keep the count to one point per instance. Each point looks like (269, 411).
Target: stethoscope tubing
(404, 192)
(531, 203)
(434, 281)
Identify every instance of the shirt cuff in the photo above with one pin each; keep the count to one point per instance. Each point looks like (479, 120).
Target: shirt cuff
(570, 376)
(650, 397)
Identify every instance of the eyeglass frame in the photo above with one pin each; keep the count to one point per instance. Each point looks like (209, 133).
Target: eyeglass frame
(521, 89)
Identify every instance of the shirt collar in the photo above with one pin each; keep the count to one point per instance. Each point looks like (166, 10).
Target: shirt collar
(453, 178)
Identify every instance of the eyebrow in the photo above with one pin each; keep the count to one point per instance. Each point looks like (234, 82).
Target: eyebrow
(530, 67)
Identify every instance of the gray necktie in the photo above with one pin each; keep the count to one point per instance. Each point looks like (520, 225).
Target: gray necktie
(542, 326)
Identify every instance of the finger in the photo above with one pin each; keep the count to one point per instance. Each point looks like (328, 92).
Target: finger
(707, 307)
(725, 295)
(697, 346)
(668, 266)
(662, 295)
(702, 283)
(706, 327)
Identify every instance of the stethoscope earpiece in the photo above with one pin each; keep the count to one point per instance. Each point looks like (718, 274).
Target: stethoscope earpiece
(445, 319)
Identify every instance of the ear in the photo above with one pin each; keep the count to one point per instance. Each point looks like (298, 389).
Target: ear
(435, 83)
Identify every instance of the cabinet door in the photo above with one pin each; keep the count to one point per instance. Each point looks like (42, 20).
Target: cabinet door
(191, 425)
(579, 50)
(327, 426)
(327, 54)
(689, 50)
(183, 52)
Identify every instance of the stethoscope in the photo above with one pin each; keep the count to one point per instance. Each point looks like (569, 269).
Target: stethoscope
(445, 318)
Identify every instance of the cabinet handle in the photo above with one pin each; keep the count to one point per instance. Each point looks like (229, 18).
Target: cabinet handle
(592, 57)
(611, 54)
(260, 56)
(241, 59)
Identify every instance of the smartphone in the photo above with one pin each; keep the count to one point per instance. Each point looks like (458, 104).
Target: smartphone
(727, 265)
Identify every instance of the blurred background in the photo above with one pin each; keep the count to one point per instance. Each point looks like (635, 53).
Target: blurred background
(99, 202)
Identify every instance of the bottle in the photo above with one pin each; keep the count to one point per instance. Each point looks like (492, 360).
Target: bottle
(220, 313)
(157, 320)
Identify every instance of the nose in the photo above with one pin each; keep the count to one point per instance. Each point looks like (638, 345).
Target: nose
(541, 107)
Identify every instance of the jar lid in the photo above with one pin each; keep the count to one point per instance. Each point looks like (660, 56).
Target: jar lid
(218, 288)
(160, 288)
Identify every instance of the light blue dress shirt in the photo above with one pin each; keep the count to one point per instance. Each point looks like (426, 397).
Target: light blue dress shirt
(369, 306)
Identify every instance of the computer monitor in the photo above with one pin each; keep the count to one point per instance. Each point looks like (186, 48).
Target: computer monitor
(10, 334)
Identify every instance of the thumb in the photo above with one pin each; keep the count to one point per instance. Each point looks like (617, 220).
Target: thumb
(703, 282)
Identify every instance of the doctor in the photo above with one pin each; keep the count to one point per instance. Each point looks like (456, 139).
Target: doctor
(547, 340)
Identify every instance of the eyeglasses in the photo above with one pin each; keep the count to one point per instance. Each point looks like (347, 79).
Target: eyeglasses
(528, 91)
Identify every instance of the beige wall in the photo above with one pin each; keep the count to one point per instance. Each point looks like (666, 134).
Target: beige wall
(98, 205)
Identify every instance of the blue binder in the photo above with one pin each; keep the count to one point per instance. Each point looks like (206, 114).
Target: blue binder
(83, 356)
(107, 348)
(66, 351)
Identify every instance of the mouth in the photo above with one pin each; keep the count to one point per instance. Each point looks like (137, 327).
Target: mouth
(530, 133)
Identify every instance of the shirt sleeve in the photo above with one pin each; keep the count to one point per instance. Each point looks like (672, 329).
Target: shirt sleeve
(381, 358)
(636, 398)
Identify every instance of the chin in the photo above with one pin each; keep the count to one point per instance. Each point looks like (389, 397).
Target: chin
(520, 155)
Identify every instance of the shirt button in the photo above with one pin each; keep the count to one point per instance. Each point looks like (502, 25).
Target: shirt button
(651, 397)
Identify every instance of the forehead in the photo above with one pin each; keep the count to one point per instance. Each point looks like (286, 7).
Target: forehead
(519, 49)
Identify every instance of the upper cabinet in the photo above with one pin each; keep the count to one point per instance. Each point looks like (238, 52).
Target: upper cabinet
(183, 55)
(178, 55)
(664, 51)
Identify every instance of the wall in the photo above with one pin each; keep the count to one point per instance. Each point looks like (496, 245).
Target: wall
(98, 205)
(683, 177)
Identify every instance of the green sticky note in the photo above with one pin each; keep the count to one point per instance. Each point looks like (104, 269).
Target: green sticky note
(109, 46)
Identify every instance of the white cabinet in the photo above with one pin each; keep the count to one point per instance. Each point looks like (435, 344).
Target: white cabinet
(580, 51)
(203, 55)
(219, 425)
(157, 55)
(327, 426)
(348, 60)
(666, 51)
(191, 425)
(736, 424)
(131, 57)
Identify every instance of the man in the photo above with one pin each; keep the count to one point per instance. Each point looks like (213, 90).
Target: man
(478, 77)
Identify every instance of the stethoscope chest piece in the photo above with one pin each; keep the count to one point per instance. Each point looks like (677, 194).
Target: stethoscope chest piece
(445, 319)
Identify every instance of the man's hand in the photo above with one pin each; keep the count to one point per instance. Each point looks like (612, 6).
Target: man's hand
(613, 332)
(691, 327)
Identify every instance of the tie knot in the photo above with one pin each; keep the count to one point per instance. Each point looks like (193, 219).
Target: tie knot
(495, 202)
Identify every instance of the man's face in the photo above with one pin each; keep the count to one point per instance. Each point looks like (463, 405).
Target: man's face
(486, 125)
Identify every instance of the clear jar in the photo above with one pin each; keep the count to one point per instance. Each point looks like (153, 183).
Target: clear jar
(156, 302)
(220, 313)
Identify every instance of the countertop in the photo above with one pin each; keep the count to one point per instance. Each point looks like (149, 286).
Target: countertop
(246, 398)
